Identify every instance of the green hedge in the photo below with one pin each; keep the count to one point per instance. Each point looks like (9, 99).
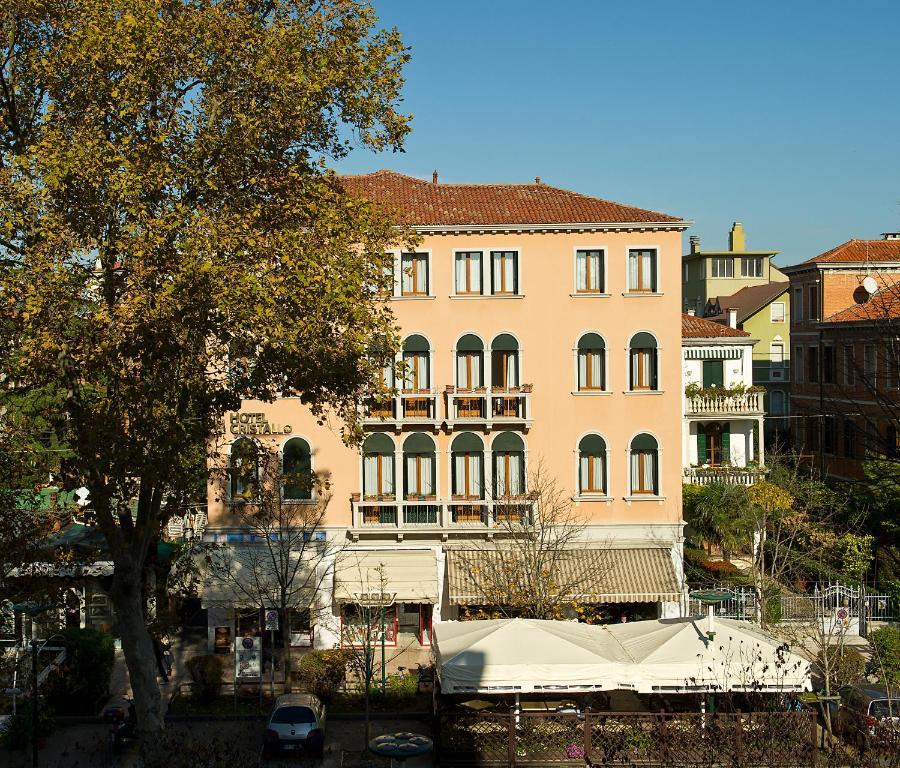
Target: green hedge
(82, 682)
(322, 672)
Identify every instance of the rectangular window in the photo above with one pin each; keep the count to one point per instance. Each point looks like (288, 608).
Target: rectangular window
(872, 449)
(892, 441)
(419, 474)
(797, 305)
(591, 370)
(751, 266)
(414, 274)
(687, 272)
(468, 273)
(798, 365)
(776, 311)
(378, 474)
(504, 273)
(849, 366)
(643, 472)
(509, 474)
(642, 270)
(415, 371)
(813, 302)
(776, 402)
(776, 354)
(468, 370)
(504, 369)
(722, 266)
(812, 365)
(828, 365)
(713, 373)
(589, 272)
(467, 473)
(643, 368)
(870, 366)
(849, 439)
(829, 434)
(591, 473)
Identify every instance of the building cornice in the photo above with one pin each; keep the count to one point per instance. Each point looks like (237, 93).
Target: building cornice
(475, 229)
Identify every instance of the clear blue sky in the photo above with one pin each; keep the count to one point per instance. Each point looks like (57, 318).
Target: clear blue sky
(783, 114)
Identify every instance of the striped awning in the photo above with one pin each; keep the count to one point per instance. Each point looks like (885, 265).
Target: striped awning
(251, 575)
(591, 575)
(381, 576)
(712, 353)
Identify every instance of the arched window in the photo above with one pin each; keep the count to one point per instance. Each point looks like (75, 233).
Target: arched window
(591, 363)
(244, 469)
(469, 363)
(416, 363)
(713, 444)
(378, 466)
(504, 362)
(643, 362)
(296, 468)
(509, 465)
(644, 465)
(419, 466)
(467, 457)
(592, 465)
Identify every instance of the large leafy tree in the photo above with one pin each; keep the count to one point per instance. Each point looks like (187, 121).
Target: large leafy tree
(172, 240)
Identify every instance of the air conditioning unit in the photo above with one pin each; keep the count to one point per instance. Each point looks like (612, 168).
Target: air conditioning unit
(776, 374)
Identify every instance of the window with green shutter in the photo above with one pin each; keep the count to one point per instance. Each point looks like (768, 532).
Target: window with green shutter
(713, 373)
(701, 446)
(726, 446)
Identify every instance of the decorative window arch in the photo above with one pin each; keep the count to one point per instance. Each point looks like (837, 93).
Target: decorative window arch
(591, 363)
(467, 466)
(592, 470)
(643, 465)
(378, 466)
(244, 469)
(508, 456)
(419, 466)
(505, 362)
(469, 362)
(296, 470)
(643, 362)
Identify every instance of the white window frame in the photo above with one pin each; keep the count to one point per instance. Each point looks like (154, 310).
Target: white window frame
(604, 271)
(772, 353)
(398, 275)
(607, 476)
(489, 272)
(629, 291)
(714, 262)
(752, 260)
(455, 293)
(772, 317)
(659, 367)
(660, 490)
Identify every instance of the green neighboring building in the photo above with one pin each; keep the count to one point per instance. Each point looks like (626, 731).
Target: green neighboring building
(745, 290)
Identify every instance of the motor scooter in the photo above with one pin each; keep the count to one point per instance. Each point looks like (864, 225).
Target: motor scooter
(122, 726)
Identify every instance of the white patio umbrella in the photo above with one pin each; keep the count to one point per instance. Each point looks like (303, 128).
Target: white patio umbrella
(526, 656)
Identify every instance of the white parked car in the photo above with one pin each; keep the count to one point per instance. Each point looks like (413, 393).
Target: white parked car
(297, 723)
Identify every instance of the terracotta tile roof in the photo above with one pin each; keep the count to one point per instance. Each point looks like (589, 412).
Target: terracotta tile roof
(418, 202)
(748, 301)
(884, 305)
(701, 328)
(859, 250)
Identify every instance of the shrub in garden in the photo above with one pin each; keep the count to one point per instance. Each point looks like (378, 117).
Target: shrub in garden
(847, 666)
(206, 672)
(401, 689)
(886, 658)
(82, 681)
(322, 672)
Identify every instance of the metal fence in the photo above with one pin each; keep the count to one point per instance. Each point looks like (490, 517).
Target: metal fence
(821, 603)
(627, 738)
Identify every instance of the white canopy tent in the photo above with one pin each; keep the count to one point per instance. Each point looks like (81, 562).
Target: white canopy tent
(523, 655)
(665, 655)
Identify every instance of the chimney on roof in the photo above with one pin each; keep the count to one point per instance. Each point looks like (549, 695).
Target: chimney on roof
(890, 235)
(731, 314)
(537, 179)
(695, 244)
(434, 177)
(736, 238)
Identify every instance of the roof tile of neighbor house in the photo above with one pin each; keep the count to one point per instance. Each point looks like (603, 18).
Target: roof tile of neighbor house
(748, 301)
(425, 203)
(884, 305)
(859, 250)
(700, 328)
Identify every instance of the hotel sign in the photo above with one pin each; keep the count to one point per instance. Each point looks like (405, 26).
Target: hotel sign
(256, 424)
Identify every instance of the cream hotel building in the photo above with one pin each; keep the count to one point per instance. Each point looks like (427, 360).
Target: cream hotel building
(539, 325)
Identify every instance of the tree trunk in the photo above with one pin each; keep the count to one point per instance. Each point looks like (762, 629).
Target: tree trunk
(286, 643)
(137, 646)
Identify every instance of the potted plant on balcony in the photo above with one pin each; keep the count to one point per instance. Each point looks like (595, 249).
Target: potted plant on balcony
(526, 388)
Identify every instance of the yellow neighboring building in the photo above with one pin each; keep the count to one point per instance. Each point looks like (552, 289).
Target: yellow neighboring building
(539, 325)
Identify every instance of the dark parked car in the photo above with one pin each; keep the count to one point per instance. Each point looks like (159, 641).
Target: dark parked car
(866, 715)
(297, 723)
